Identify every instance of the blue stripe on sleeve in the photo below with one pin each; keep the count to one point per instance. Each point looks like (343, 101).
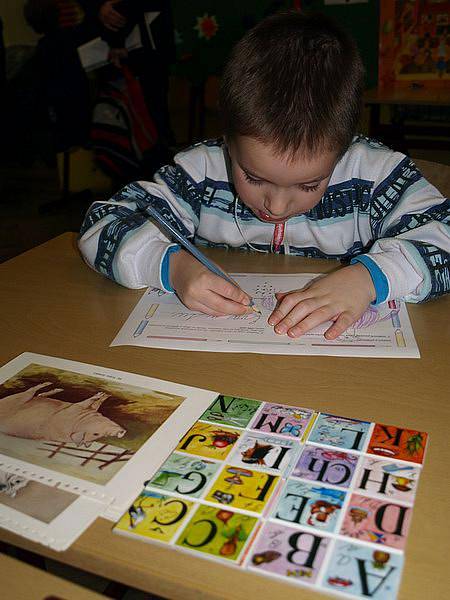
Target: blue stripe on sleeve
(379, 279)
(165, 267)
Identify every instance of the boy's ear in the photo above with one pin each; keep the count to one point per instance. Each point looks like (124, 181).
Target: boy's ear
(228, 145)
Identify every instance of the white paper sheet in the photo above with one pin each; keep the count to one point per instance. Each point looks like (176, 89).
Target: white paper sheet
(160, 320)
(94, 54)
(135, 420)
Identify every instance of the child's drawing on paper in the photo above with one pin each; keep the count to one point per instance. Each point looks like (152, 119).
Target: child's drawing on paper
(32, 498)
(378, 314)
(81, 425)
(264, 296)
(190, 315)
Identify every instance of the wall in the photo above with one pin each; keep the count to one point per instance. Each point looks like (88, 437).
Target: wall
(362, 21)
(15, 28)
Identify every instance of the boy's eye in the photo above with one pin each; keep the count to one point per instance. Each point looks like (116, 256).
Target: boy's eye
(252, 180)
(309, 188)
(304, 188)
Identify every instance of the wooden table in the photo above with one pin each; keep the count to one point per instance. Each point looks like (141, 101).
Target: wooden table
(53, 304)
(29, 583)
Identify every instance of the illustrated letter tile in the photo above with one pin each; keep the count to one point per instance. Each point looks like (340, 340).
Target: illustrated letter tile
(326, 466)
(210, 441)
(363, 571)
(184, 474)
(231, 410)
(387, 478)
(265, 452)
(155, 516)
(398, 442)
(341, 432)
(377, 521)
(285, 420)
(294, 553)
(218, 532)
(310, 505)
(243, 488)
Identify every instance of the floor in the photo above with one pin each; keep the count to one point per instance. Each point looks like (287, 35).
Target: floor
(24, 192)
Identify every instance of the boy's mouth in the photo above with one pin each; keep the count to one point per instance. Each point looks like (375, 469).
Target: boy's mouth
(268, 219)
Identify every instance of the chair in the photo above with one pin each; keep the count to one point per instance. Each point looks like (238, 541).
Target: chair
(437, 174)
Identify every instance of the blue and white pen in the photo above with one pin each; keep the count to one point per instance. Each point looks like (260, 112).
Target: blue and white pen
(187, 245)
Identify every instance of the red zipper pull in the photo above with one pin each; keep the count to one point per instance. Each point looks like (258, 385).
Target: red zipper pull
(278, 237)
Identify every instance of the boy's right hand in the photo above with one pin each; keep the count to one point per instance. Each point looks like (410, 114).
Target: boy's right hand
(203, 291)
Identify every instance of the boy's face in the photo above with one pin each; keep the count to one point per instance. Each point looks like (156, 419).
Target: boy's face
(274, 187)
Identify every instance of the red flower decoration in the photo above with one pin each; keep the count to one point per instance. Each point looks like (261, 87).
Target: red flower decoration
(206, 26)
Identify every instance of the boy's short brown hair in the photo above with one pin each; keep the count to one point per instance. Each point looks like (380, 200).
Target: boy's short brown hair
(294, 82)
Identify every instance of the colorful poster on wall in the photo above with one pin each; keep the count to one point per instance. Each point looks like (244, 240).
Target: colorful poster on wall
(414, 43)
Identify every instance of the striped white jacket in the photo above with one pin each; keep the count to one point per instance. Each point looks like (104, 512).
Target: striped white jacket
(378, 209)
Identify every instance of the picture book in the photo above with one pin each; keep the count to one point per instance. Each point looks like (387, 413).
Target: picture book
(75, 440)
(160, 320)
(313, 499)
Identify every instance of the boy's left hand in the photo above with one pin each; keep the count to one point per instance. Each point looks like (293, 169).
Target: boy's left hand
(341, 297)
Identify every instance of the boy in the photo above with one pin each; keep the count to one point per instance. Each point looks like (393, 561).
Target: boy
(289, 177)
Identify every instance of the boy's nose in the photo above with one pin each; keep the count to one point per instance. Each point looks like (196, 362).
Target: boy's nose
(276, 205)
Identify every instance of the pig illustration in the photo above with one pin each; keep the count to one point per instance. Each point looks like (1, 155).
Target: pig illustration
(39, 417)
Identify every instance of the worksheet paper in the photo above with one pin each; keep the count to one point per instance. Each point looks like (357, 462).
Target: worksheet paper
(160, 320)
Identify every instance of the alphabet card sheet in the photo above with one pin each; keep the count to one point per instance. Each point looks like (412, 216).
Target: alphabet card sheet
(75, 440)
(160, 320)
(314, 499)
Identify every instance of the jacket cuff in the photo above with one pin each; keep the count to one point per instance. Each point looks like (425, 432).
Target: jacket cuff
(165, 268)
(379, 279)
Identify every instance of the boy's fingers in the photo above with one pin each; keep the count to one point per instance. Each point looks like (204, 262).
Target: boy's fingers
(223, 305)
(207, 310)
(290, 311)
(342, 323)
(284, 307)
(315, 318)
(230, 291)
(280, 295)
